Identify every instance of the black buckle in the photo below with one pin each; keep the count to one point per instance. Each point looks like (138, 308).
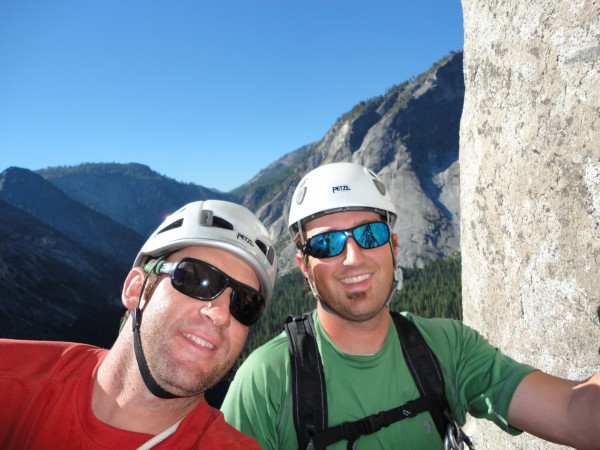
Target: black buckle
(408, 409)
(372, 424)
(352, 431)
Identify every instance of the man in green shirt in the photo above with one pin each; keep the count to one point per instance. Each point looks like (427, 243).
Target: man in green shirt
(341, 219)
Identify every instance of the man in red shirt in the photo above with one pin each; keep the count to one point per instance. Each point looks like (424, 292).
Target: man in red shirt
(202, 278)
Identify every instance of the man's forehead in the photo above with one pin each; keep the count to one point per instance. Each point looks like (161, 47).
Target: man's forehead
(342, 220)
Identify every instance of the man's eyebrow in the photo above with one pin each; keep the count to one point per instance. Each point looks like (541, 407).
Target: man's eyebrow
(356, 224)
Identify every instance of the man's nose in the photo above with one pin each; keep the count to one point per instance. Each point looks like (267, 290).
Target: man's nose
(353, 252)
(217, 310)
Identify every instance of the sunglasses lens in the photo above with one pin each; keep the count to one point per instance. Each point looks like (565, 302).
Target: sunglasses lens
(332, 243)
(202, 281)
(197, 280)
(326, 245)
(246, 306)
(371, 235)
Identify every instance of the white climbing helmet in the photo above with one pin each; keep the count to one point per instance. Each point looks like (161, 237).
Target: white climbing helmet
(337, 187)
(218, 224)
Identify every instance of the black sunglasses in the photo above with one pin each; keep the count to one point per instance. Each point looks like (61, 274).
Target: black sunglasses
(202, 281)
(332, 243)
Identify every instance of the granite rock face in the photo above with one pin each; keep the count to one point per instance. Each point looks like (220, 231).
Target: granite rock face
(530, 187)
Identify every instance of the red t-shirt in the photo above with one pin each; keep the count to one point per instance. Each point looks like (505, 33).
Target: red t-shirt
(45, 403)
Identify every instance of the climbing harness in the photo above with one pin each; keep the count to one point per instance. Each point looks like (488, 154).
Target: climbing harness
(310, 395)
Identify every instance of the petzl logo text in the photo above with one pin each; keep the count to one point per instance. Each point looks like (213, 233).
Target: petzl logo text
(340, 188)
(245, 238)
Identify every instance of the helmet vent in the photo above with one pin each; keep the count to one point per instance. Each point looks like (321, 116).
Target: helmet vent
(267, 250)
(221, 223)
(271, 255)
(300, 195)
(172, 226)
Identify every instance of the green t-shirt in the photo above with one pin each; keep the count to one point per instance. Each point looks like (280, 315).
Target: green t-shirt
(478, 379)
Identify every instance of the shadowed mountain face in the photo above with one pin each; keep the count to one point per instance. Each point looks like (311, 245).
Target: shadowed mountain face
(69, 234)
(51, 287)
(96, 232)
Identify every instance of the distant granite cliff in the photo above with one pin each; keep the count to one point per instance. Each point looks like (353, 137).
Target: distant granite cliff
(409, 136)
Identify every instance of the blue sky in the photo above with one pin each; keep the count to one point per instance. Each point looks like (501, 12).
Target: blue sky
(208, 92)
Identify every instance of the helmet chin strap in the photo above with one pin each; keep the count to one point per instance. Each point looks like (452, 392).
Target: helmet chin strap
(149, 380)
(317, 296)
(398, 277)
(397, 285)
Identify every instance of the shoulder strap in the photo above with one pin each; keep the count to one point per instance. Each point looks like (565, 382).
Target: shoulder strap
(425, 369)
(308, 379)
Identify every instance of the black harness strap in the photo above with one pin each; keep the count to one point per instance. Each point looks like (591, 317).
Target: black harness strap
(309, 392)
(308, 378)
(424, 368)
(351, 431)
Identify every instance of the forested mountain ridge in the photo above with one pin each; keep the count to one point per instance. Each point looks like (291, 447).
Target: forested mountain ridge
(131, 194)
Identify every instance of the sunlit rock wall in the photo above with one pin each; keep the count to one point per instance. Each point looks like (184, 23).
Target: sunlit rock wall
(530, 186)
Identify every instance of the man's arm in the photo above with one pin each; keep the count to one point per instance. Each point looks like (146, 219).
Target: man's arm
(558, 410)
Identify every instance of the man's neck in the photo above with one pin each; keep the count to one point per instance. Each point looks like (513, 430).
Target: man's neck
(121, 399)
(356, 338)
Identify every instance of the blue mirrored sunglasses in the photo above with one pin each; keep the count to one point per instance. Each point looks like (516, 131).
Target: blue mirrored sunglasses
(203, 281)
(332, 243)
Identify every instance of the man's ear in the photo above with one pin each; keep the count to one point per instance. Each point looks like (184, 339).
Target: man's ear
(395, 244)
(132, 288)
(301, 260)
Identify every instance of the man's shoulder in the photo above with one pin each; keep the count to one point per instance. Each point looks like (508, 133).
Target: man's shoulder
(42, 346)
(441, 334)
(265, 365)
(43, 357)
(436, 324)
(272, 352)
